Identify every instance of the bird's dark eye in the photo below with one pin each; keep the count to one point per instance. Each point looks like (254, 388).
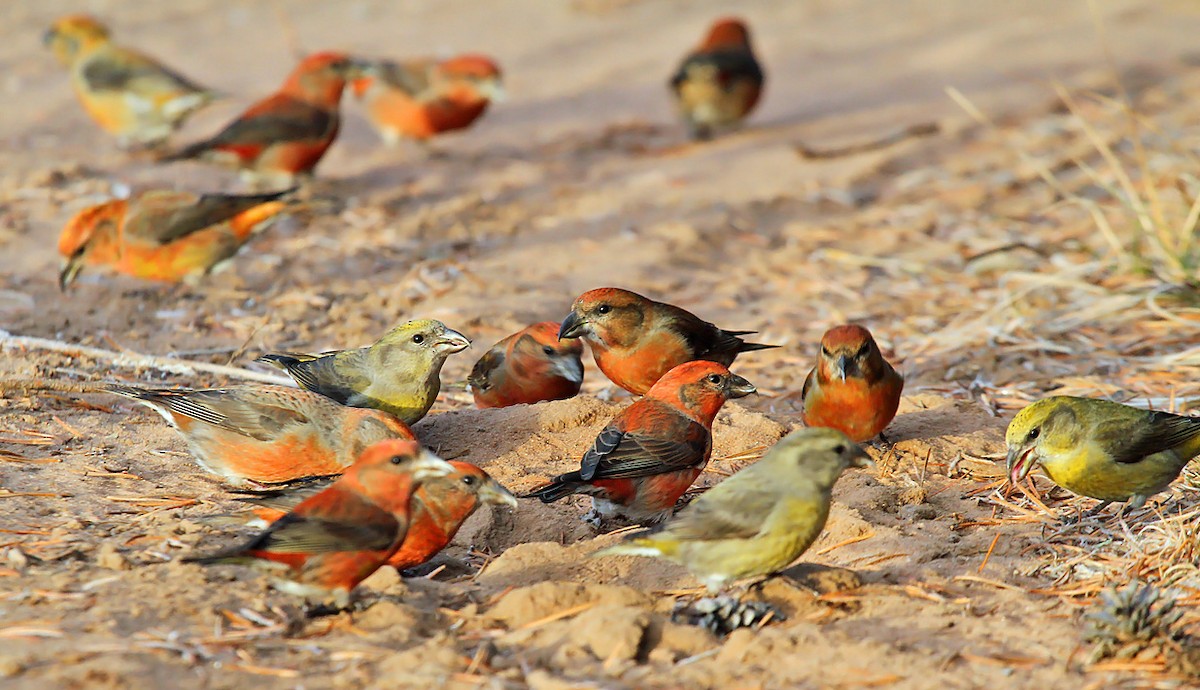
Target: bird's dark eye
(468, 480)
(1034, 433)
(418, 338)
(862, 351)
(839, 449)
(397, 459)
(548, 350)
(825, 351)
(714, 379)
(603, 309)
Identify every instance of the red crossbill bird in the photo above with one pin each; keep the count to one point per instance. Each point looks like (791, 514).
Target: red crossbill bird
(284, 135)
(423, 98)
(719, 82)
(164, 235)
(252, 435)
(760, 520)
(528, 366)
(853, 388)
(128, 94)
(335, 539)
(651, 452)
(399, 374)
(1101, 449)
(636, 340)
(439, 508)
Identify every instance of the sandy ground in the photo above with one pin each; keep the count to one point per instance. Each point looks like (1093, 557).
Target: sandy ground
(952, 248)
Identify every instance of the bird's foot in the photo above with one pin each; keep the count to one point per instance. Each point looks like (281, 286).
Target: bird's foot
(882, 443)
(722, 615)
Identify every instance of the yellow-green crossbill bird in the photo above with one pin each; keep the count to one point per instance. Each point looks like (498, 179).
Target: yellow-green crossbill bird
(759, 520)
(400, 374)
(1102, 449)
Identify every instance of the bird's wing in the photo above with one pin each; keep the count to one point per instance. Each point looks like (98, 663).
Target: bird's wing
(349, 523)
(726, 514)
(730, 64)
(278, 118)
(410, 77)
(165, 216)
(337, 375)
(237, 410)
(130, 71)
(481, 373)
(1131, 442)
(620, 454)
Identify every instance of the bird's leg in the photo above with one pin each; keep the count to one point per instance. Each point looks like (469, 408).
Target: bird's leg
(882, 443)
(593, 518)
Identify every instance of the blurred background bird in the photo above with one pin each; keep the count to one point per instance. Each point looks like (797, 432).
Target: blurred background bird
(284, 136)
(164, 235)
(636, 340)
(853, 388)
(1101, 449)
(761, 519)
(130, 95)
(253, 435)
(528, 366)
(438, 509)
(420, 99)
(720, 82)
(399, 374)
(335, 539)
(651, 452)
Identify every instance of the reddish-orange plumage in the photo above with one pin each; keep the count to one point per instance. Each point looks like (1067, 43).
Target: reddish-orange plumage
(439, 508)
(650, 453)
(527, 367)
(163, 234)
(853, 388)
(334, 539)
(423, 98)
(636, 340)
(268, 434)
(287, 133)
(720, 82)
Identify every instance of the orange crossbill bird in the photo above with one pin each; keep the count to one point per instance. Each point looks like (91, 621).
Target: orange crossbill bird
(423, 98)
(438, 509)
(650, 453)
(719, 82)
(1101, 449)
(761, 519)
(284, 135)
(335, 539)
(399, 374)
(267, 434)
(164, 235)
(636, 340)
(528, 366)
(128, 94)
(853, 388)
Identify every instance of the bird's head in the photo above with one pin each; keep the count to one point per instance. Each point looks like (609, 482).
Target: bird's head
(91, 231)
(321, 77)
(700, 388)
(727, 32)
(397, 458)
(74, 35)
(479, 72)
(818, 454)
(849, 351)
(421, 340)
(466, 487)
(609, 316)
(540, 344)
(1046, 428)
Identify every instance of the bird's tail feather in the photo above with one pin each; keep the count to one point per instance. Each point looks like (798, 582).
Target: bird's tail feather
(560, 487)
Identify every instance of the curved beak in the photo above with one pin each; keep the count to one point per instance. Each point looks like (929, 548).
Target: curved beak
(493, 89)
(452, 341)
(1020, 462)
(429, 466)
(573, 326)
(859, 458)
(569, 367)
(842, 366)
(740, 387)
(68, 273)
(495, 493)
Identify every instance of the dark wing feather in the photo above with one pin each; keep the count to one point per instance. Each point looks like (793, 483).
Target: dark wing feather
(625, 455)
(1162, 431)
(481, 373)
(113, 75)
